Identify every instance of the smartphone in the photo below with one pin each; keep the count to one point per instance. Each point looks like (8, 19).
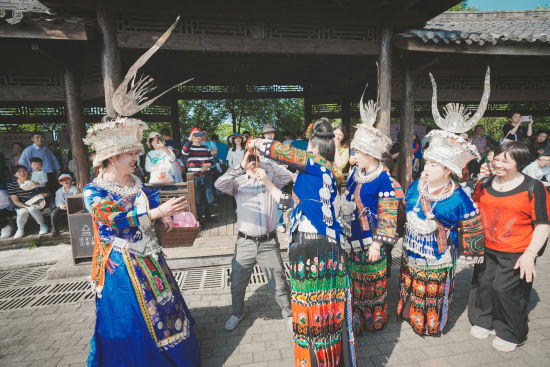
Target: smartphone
(526, 118)
(200, 135)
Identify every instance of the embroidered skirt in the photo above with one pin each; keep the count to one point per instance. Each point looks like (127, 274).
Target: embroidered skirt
(369, 290)
(425, 297)
(141, 317)
(318, 292)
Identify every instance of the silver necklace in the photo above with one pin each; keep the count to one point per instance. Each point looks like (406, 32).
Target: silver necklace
(359, 178)
(423, 190)
(121, 191)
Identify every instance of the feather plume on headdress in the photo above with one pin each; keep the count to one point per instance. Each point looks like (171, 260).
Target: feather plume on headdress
(446, 147)
(367, 138)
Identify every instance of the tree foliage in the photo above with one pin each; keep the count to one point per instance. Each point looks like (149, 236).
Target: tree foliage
(463, 6)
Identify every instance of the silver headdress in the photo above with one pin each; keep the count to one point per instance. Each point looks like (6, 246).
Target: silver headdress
(123, 134)
(446, 147)
(367, 138)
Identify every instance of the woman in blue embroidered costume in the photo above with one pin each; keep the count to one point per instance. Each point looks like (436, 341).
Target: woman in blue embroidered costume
(319, 280)
(141, 317)
(368, 216)
(443, 223)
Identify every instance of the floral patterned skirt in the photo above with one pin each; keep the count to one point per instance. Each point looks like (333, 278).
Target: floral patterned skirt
(425, 297)
(369, 290)
(318, 285)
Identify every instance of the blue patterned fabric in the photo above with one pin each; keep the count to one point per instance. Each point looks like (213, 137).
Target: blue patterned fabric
(141, 316)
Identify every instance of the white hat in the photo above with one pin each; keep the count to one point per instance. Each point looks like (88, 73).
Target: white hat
(123, 134)
(367, 138)
(446, 147)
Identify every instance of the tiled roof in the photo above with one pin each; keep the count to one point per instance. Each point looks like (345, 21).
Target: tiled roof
(13, 10)
(485, 28)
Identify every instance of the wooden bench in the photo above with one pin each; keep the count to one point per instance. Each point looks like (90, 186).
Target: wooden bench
(186, 189)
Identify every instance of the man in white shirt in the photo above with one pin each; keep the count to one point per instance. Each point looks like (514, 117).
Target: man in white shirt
(540, 168)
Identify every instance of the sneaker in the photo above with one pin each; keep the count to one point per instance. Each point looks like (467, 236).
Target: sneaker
(232, 323)
(281, 229)
(18, 234)
(43, 229)
(6, 231)
(480, 333)
(502, 345)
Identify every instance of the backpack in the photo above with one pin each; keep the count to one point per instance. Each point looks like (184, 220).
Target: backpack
(486, 181)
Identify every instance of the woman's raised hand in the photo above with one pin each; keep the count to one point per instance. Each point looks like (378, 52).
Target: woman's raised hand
(173, 206)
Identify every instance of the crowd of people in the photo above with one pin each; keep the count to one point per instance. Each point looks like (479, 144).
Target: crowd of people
(35, 179)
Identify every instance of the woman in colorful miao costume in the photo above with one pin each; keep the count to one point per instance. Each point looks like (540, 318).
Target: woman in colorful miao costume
(368, 218)
(318, 272)
(443, 224)
(141, 317)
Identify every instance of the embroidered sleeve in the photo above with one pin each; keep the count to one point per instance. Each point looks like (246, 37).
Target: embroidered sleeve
(471, 240)
(386, 229)
(107, 211)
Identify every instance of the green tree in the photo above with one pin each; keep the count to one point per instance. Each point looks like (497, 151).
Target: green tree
(463, 6)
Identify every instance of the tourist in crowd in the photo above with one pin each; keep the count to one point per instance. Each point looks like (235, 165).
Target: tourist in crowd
(6, 212)
(416, 155)
(341, 155)
(67, 189)
(17, 149)
(170, 142)
(287, 139)
(487, 166)
(368, 218)
(161, 161)
(50, 165)
(319, 280)
(515, 209)
(479, 139)
(538, 145)
(437, 210)
(246, 135)
(514, 130)
(22, 193)
(268, 132)
(540, 168)
(425, 139)
(128, 298)
(223, 149)
(236, 154)
(299, 143)
(39, 177)
(199, 162)
(257, 237)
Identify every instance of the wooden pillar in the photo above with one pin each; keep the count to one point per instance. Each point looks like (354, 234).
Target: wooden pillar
(346, 116)
(307, 106)
(384, 80)
(406, 128)
(175, 120)
(77, 128)
(110, 54)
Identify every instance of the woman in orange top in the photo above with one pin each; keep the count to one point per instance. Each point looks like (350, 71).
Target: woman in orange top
(515, 210)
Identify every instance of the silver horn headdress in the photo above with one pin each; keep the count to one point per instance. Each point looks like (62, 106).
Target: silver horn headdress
(446, 147)
(123, 134)
(367, 138)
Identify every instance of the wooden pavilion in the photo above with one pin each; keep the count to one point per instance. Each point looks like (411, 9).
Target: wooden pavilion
(63, 58)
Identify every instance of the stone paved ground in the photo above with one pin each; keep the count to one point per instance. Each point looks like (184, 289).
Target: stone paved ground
(59, 335)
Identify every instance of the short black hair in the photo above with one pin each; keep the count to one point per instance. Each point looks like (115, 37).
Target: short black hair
(323, 138)
(165, 132)
(512, 113)
(542, 131)
(517, 150)
(18, 167)
(37, 133)
(36, 159)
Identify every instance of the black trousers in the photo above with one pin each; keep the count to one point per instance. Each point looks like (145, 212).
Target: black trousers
(499, 299)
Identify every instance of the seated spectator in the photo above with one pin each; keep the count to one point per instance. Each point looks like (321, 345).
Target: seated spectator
(21, 192)
(67, 189)
(539, 144)
(287, 138)
(160, 162)
(341, 156)
(299, 143)
(540, 169)
(514, 131)
(39, 177)
(6, 211)
(487, 167)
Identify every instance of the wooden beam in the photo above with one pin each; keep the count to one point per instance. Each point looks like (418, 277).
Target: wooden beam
(531, 49)
(77, 128)
(247, 45)
(175, 120)
(346, 116)
(307, 106)
(384, 80)
(110, 54)
(44, 30)
(406, 128)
